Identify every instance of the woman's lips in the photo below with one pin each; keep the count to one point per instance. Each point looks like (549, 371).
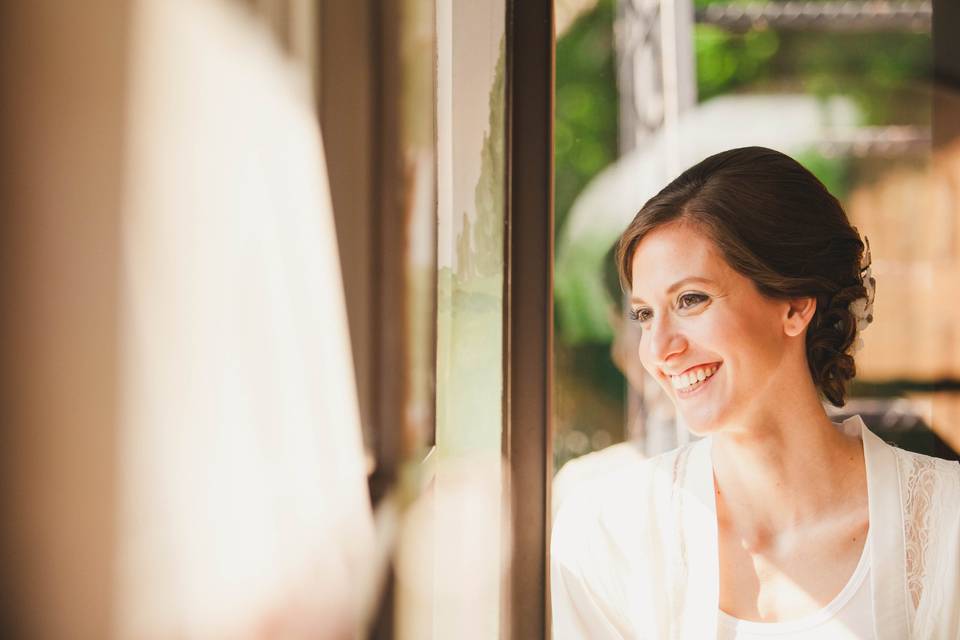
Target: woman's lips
(694, 379)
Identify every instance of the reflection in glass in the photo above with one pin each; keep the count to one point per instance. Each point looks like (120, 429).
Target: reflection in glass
(646, 89)
(455, 545)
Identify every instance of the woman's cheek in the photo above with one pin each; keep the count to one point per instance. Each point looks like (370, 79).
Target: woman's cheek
(642, 354)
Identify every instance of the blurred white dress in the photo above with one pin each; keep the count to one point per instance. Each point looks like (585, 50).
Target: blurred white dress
(244, 504)
(634, 552)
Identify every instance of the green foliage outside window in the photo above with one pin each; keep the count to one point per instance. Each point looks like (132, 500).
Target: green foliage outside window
(585, 130)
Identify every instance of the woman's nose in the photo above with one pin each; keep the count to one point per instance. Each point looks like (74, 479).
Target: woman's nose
(664, 341)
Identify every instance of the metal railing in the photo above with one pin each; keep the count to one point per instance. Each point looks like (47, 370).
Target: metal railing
(868, 15)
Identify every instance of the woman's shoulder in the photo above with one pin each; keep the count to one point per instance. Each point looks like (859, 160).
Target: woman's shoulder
(918, 472)
(606, 477)
(929, 495)
(919, 468)
(596, 464)
(617, 503)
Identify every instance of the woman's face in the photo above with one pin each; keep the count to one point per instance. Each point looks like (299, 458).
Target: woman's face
(711, 340)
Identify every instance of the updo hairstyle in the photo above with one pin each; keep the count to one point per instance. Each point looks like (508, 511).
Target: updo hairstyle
(775, 223)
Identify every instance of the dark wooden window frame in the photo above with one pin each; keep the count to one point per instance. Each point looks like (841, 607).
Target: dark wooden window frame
(528, 312)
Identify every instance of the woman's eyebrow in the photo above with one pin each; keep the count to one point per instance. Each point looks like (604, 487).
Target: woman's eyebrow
(679, 283)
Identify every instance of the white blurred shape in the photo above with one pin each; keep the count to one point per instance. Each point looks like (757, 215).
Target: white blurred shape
(450, 538)
(787, 123)
(244, 505)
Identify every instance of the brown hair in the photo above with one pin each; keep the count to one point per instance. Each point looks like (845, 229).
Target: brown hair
(775, 223)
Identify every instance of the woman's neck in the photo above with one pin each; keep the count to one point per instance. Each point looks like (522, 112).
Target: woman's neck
(785, 469)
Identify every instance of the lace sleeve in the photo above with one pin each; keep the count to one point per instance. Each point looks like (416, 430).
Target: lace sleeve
(931, 502)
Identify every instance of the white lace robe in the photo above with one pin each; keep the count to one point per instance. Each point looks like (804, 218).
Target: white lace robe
(634, 552)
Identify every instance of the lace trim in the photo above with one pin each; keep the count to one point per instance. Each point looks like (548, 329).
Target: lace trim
(679, 474)
(920, 476)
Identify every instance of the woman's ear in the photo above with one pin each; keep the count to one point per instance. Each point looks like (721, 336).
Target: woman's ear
(799, 314)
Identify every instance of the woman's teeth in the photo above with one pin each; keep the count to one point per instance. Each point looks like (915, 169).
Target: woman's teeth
(691, 378)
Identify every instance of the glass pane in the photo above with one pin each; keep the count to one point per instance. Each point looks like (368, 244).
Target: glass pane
(646, 89)
(470, 231)
(590, 412)
(445, 592)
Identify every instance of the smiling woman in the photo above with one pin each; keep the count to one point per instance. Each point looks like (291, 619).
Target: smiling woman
(747, 280)
(777, 226)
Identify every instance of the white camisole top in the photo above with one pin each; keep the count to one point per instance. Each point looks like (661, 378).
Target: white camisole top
(849, 616)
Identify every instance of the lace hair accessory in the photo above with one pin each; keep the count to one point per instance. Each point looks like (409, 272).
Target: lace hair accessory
(862, 308)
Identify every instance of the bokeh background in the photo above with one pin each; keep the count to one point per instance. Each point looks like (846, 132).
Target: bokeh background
(645, 89)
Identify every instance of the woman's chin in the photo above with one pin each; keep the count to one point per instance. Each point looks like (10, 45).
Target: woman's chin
(699, 424)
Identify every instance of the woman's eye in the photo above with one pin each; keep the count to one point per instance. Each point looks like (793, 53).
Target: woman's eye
(692, 298)
(639, 315)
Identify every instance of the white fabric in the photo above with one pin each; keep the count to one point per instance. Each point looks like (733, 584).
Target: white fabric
(245, 511)
(634, 552)
(596, 463)
(849, 616)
